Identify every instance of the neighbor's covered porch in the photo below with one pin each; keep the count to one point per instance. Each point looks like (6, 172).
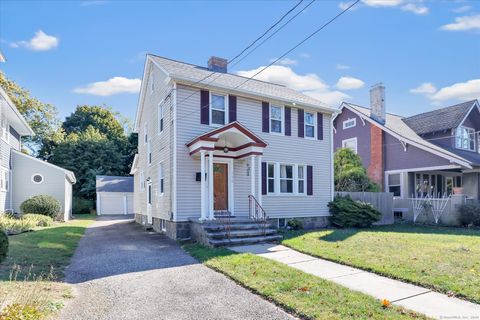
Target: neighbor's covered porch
(217, 152)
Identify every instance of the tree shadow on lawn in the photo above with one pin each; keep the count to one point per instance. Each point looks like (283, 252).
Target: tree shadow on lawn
(336, 234)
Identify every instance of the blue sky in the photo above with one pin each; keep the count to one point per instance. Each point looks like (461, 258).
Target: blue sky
(427, 53)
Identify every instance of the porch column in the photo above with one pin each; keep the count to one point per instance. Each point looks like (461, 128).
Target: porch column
(259, 197)
(203, 212)
(210, 186)
(252, 175)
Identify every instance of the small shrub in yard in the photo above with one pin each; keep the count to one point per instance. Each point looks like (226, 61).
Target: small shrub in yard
(3, 245)
(470, 214)
(42, 204)
(349, 213)
(295, 224)
(38, 219)
(13, 225)
(17, 311)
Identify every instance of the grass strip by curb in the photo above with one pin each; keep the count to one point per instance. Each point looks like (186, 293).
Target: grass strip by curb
(299, 293)
(443, 259)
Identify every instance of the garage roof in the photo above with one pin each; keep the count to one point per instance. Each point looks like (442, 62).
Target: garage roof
(114, 184)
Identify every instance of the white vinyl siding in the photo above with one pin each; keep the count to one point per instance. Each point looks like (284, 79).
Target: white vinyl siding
(316, 153)
(156, 106)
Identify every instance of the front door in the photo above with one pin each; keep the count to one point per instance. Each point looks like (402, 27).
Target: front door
(220, 186)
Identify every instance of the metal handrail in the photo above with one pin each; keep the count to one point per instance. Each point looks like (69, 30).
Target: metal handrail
(256, 212)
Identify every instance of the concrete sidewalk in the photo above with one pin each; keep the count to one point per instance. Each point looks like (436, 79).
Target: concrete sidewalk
(415, 298)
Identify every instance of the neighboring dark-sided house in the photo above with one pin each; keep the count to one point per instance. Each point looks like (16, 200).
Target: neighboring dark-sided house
(433, 153)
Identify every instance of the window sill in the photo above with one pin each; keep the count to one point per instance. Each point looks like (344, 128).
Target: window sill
(277, 133)
(286, 194)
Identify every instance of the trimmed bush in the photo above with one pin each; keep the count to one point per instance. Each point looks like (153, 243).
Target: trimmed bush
(3, 245)
(470, 214)
(38, 219)
(82, 206)
(42, 204)
(349, 213)
(295, 224)
(13, 225)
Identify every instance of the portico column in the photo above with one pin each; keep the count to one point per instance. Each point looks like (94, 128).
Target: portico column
(203, 212)
(252, 175)
(210, 186)
(259, 197)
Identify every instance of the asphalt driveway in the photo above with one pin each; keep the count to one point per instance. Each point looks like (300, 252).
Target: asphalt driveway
(119, 271)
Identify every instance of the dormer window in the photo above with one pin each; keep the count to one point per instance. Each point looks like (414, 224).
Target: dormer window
(465, 138)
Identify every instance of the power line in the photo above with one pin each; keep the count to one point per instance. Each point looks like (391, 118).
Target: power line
(276, 60)
(250, 45)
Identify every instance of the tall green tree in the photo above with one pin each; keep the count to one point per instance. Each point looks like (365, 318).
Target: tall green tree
(94, 142)
(42, 117)
(350, 174)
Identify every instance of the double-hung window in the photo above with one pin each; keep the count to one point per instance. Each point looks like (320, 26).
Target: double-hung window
(218, 111)
(309, 124)
(161, 179)
(465, 138)
(350, 143)
(394, 184)
(271, 178)
(276, 119)
(160, 118)
(286, 178)
(301, 179)
(149, 152)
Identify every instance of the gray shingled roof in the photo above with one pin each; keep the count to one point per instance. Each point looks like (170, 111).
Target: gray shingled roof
(114, 184)
(440, 119)
(186, 71)
(396, 124)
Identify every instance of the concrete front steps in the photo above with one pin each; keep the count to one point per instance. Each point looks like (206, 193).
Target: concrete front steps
(234, 231)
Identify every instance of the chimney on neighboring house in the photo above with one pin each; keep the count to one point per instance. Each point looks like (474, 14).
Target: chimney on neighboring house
(217, 64)
(377, 103)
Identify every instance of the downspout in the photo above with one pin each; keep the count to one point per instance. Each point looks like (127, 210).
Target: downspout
(173, 100)
(332, 168)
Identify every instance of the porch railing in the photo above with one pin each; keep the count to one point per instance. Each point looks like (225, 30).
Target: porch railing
(256, 212)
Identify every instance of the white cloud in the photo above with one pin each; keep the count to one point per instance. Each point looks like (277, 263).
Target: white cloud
(110, 87)
(309, 84)
(382, 3)
(304, 55)
(424, 88)
(40, 42)
(462, 9)
(344, 5)
(284, 61)
(415, 8)
(459, 91)
(342, 67)
(463, 23)
(349, 83)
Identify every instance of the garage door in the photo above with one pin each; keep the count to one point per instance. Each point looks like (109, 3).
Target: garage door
(111, 204)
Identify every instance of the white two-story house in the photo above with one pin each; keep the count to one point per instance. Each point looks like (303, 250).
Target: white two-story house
(214, 144)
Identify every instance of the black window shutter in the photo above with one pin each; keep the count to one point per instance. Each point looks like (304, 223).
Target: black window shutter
(264, 178)
(300, 123)
(265, 117)
(232, 108)
(309, 180)
(204, 107)
(320, 126)
(288, 121)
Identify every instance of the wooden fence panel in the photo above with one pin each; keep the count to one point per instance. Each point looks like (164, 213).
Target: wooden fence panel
(383, 201)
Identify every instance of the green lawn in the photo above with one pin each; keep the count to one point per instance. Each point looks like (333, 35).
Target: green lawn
(39, 252)
(300, 293)
(444, 259)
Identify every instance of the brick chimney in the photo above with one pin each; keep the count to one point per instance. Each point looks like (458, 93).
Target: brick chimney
(377, 103)
(217, 64)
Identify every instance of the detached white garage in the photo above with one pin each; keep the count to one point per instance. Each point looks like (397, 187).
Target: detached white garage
(114, 195)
